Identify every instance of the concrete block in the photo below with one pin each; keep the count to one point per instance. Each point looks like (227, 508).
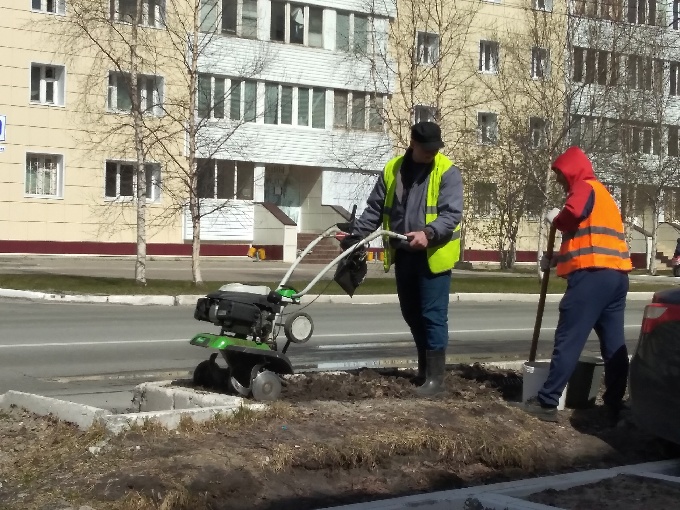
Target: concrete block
(81, 415)
(21, 294)
(78, 298)
(187, 299)
(501, 502)
(142, 300)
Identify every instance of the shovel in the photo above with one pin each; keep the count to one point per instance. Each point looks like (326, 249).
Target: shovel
(541, 299)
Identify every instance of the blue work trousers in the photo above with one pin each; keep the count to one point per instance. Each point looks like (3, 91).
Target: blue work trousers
(424, 300)
(594, 299)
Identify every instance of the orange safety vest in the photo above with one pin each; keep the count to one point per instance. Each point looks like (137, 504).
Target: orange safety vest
(599, 241)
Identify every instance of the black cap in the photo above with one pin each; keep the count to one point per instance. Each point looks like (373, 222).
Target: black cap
(428, 135)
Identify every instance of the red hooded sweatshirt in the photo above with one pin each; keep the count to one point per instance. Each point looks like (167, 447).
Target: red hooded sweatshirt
(576, 168)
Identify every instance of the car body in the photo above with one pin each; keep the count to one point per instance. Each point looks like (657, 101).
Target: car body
(655, 368)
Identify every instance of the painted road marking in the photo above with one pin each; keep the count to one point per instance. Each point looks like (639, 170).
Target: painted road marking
(320, 336)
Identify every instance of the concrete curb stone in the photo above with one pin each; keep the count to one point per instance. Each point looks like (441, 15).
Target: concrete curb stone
(362, 299)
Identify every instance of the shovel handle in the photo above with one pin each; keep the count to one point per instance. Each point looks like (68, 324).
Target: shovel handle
(541, 298)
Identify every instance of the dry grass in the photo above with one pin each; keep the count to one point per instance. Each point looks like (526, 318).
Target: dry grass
(176, 499)
(489, 446)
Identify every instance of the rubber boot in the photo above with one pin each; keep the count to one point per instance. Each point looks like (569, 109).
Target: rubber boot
(435, 370)
(421, 376)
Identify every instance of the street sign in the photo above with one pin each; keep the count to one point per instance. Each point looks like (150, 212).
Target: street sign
(3, 124)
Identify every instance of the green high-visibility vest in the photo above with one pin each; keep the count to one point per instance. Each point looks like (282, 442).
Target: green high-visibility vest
(440, 258)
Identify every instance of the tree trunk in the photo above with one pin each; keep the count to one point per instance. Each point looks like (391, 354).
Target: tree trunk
(194, 199)
(655, 235)
(140, 261)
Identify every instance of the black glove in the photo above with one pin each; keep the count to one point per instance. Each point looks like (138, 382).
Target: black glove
(350, 240)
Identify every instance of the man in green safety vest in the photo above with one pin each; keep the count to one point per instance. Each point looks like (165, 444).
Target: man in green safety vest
(420, 194)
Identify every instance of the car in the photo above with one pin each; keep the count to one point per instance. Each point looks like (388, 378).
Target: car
(654, 384)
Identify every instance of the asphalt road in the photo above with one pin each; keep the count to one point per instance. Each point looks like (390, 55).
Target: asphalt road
(95, 354)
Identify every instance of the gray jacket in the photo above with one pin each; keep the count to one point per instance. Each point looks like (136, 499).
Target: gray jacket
(410, 217)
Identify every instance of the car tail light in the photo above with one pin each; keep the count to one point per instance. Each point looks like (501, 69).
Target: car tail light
(658, 313)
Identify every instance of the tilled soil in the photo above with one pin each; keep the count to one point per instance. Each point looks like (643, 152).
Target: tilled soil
(623, 492)
(333, 438)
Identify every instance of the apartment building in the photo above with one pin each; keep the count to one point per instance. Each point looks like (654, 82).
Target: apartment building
(625, 59)
(289, 109)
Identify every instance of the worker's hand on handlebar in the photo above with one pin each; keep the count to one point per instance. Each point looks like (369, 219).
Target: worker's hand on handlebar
(350, 240)
(417, 240)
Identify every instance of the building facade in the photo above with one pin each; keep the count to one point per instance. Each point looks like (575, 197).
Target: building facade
(286, 104)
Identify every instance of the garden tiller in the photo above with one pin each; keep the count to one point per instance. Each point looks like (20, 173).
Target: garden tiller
(251, 317)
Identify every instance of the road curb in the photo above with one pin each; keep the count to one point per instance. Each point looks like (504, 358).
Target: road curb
(362, 299)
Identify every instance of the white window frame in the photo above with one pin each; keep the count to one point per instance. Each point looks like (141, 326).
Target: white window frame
(154, 192)
(306, 17)
(157, 100)
(427, 48)
(540, 63)
(57, 7)
(57, 183)
(425, 113)
(488, 57)
(487, 128)
(58, 84)
(158, 13)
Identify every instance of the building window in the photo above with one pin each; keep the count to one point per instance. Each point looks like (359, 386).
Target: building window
(642, 12)
(340, 111)
(149, 91)
(49, 6)
(296, 24)
(543, 5)
(594, 66)
(424, 113)
(211, 96)
(47, 84)
(673, 138)
(375, 113)
(225, 180)
(674, 76)
(230, 17)
(540, 62)
(152, 15)
(537, 132)
(349, 110)
(483, 198)
(487, 128)
(488, 57)
(644, 73)
(121, 180)
(278, 104)
(611, 10)
(44, 175)
(676, 14)
(319, 108)
(641, 138)
(352, 32)
(428, 48)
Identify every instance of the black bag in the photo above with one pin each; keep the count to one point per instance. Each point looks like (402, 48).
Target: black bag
(351, 271)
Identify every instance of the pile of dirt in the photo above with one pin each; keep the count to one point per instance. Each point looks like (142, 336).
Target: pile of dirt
(334, 438)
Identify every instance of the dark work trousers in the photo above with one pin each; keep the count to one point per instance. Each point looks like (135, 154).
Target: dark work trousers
(595, 299)
(424, 299)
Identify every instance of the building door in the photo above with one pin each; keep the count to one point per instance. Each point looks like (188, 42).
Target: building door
(282, 189)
